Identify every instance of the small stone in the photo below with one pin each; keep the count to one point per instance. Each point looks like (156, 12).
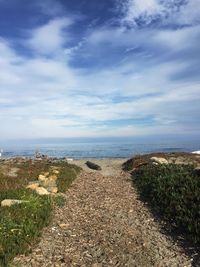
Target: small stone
(66, 259)
(64, 225)
(97, 265)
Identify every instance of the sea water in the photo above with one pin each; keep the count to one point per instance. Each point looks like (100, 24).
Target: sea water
(95, 149)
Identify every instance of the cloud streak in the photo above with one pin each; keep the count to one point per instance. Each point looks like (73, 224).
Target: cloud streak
(106, 79)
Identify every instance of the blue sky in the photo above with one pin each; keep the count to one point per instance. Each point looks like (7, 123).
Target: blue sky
(99, 68)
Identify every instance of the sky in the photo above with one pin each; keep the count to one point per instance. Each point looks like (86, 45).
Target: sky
(90, 68)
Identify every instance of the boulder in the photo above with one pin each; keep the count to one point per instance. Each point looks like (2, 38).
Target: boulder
(93, 166)
(156, 160)
(11, 202)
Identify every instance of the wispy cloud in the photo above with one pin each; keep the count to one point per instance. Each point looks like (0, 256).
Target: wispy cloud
(102, 81)
(51, 37)
(180, 12)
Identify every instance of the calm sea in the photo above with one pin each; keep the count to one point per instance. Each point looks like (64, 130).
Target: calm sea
(108, 149)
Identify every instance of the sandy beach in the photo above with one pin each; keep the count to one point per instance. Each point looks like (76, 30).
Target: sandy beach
(109, 167)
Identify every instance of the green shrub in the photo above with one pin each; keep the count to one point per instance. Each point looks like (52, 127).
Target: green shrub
(174, 190)
(59, 201)
(21, 223)
(68, 173)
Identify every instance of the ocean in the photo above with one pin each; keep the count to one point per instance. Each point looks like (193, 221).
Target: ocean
(95, 149)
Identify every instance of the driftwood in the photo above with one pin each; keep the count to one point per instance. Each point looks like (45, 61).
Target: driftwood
(93, 166)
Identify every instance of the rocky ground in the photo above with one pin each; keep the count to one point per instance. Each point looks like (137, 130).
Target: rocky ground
(103, 223)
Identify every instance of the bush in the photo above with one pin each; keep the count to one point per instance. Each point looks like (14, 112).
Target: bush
(173, 190)
(21, 223)
(68, 173)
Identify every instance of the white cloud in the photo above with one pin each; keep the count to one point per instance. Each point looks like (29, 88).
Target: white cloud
(179, 12)
(189, 13)
(43, 97)
(50, 38)
(178, 39)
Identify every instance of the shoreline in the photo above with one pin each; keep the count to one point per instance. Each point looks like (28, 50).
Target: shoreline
(45, 156)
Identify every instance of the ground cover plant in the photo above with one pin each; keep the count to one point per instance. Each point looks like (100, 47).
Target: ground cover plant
(21, 224)
(174, 191)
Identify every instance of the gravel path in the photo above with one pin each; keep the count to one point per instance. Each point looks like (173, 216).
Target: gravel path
(103, 224)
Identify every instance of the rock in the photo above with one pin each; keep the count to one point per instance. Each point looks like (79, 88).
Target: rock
(69, 159)
(64, 225)
(93, 166)
(181, 161)
(11, 202)
(33, 185)
(48, 183)
(171, 160)
(56, 172)
(158, 160)
(97, 265)
(41, 191)
(155, 163)
(42, 177)
(53, 177)
(52, 189)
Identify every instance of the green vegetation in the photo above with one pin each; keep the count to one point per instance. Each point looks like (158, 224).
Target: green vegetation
(174, 191)
(59, 201)
(66, 176)
(21, 224)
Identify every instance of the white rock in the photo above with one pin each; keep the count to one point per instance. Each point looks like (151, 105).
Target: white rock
(11, 202)
(42, 177)
(32, 186)
(159, 160)
(69, 159)
(41, 191)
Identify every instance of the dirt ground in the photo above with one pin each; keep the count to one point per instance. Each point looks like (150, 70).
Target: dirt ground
(102, 224)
